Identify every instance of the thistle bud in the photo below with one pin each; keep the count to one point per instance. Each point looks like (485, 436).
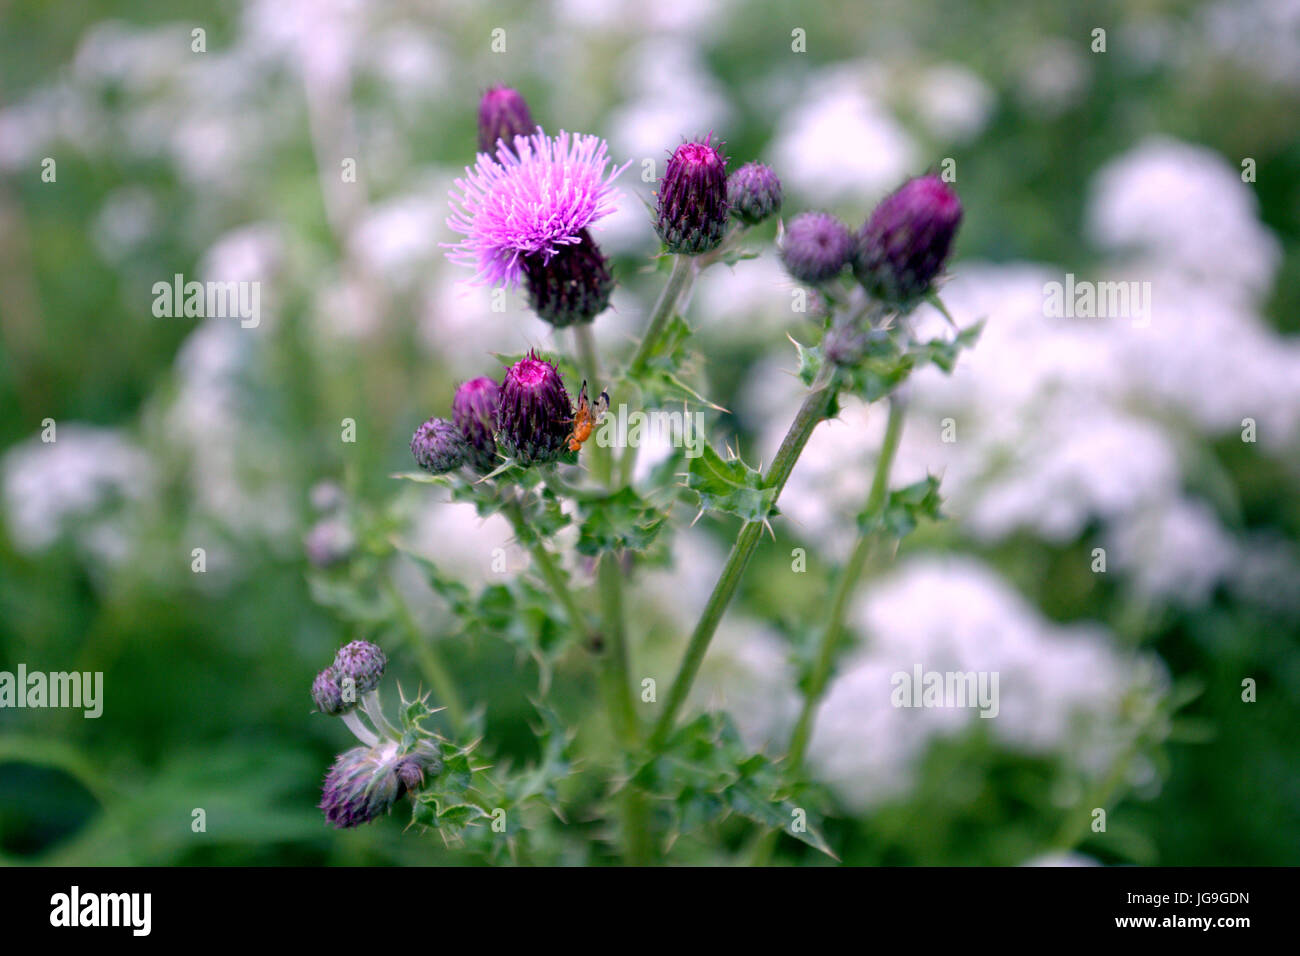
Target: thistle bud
(693, 208)
(360, 786)
(438, 446)
(502, 114)
(474, 410)
(906, 240)
(572, 286)
(412, 768)
(754, 193)
(535, 412)
(326, 693)
(363, 662)
(815, 247)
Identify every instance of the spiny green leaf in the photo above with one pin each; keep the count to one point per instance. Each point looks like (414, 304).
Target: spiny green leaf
(729, 486)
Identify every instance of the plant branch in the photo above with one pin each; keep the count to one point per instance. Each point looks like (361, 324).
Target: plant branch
(679, 280)
(813, 410)
(848, 580)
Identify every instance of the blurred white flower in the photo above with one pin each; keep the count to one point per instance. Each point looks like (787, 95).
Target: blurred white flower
(128, 217)
(954, 102)
(1176, 550)
(68, 486)
(671, 98)
(1061, 689)
(748, 674)
(1053, 76)
(1183, 206)
(840, 142)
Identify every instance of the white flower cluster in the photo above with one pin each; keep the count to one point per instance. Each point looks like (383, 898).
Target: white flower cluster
(1064, 690)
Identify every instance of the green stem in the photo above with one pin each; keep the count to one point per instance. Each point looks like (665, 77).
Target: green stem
(844, 589)
(811, 413)
(765, 845)
(549, 570)
(374, 709)
(679, 280)
(616, 671)
(429, 661)
(635, 811)
(618, 674)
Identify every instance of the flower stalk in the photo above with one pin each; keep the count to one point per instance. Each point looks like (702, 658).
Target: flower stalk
(811, 413)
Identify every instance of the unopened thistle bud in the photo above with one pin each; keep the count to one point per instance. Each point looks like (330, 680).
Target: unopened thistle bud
(502, 114)
(474, 410)
(363, 662)
(361, 785)
(534, 417)
(754, 193)
(571, 286)
(326, 693)
(438, 446)
(815, 247)
(412, 768)
(905, 242)
(692, 208)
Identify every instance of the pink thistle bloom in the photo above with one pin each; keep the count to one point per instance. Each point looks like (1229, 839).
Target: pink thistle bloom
(530, 204)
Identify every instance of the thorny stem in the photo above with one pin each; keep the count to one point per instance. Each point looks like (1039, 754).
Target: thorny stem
(848, 580)
(679, 280)
(616, 673)
(813, 410)
(765, 844)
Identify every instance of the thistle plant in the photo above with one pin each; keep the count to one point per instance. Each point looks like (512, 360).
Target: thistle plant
(519, 443)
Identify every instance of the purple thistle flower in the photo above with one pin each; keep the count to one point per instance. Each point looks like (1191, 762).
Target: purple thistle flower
(573, 286)
(692, 212)
(326, 693)
(754, 193)
(438, 446)
(474, 410)
(363, 662)
(532, 204)
(906, 240)
(360, 786)
(535, 413)
(502, 115)
(815, 247)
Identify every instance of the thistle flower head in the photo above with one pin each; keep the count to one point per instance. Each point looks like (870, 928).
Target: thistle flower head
(815, 247)
(534, 415)
(362, 662)
(502, 115)
(754, 193)
(439, 446)
(573, 286)
(474, 411)
(361, 785)
(531, 204)
(326, 693)
(692, 212)
(905, 242)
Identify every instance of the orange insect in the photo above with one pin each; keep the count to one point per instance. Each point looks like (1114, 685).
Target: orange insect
(586, 417)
